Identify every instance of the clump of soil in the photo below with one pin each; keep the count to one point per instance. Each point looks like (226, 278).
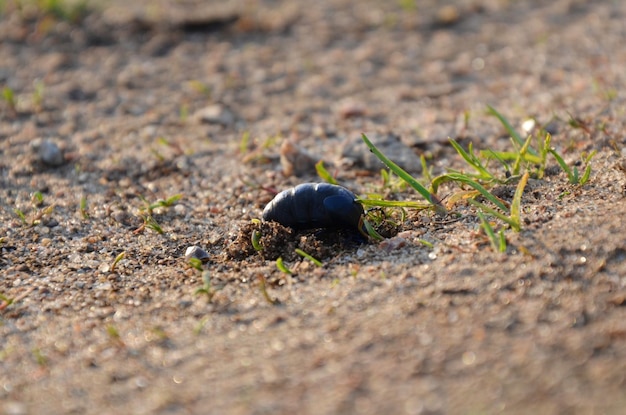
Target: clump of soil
(277, 241)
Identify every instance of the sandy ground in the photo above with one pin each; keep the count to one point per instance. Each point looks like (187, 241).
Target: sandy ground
(138, 103)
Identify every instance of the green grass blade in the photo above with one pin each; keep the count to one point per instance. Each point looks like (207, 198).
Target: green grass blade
(282, 267)
(493, 239)
(586, 175)
(472, 160)
(323, 173)
(244, 143)
(495, 155)
(196, 264)
(570, 175)
(117, 259)
(255, 239)
(517, 201)
(393, 203)
(425, 170)
(20, 215)
(502, 241)
(509, 128)
(369, 229)
(309, 257)
(493, 212)
(510, 156)
(431, 198)
(543, 155)
(520, 156)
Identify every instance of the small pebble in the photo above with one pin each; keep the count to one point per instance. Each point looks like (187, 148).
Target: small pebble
(295, 160)
(393, 244)
(350, 109)
(448, 15)
(50, 153)
(196, 252)
(180, 210)
(215, 114)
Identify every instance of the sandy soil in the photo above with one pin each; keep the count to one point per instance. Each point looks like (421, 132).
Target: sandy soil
(134, 104)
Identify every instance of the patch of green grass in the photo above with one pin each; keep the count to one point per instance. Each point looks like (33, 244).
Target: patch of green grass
(83, 207)
(37, 198)
(115, 336)
(408, 5)
(21, 215)
(39, 211)
(528, 158)
(498, 242)
(200, 87)
(392, 183)
(370, 231)
(146, 212)
(9, 97)
(426, 194)
(67, 10)
(5, 301)
(573, 175)
(38, 94)
(255, 152)
(537, 155)
(169, 202)
(207, 289)
(151, 223)
(382, 216)
(40, 357)
(244, 143)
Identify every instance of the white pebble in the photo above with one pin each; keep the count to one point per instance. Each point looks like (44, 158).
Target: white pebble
(196, 252)
(50, 153)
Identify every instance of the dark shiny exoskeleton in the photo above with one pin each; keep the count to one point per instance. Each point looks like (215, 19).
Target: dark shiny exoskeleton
(315, 205)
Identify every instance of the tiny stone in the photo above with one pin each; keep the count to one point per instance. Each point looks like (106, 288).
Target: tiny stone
(196, 252)
(180, 210)
(295, 160)
(448, 15)
(50, 153)
(51, 223)
(215, 114)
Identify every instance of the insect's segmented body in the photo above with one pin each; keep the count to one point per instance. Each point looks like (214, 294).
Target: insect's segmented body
(315, 205)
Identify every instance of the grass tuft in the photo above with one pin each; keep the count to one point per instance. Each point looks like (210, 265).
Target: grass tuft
(426, 194)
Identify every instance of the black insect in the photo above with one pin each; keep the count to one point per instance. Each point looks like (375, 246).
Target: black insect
(315, 205)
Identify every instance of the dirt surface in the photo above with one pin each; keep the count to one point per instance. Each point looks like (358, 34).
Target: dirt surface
(141, 101)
